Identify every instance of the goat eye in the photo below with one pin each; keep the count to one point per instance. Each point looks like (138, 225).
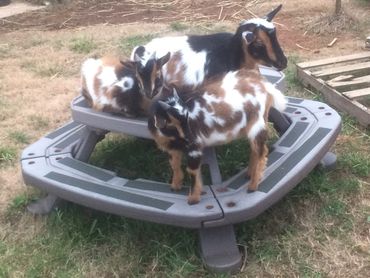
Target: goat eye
(259, 44)
(158, 82)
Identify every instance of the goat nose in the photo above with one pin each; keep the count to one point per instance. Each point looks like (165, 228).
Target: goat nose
(282, 64)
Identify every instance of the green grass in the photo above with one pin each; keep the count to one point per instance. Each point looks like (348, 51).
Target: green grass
(33, 42)
(358, 163)
(334, 208)
(19, 137)
(39, 122)
(20, 202)
(139, 158)
(7, 156)
(308, 271)
(44, 70)
(132, 158)
(5, 50)
(17, 206)
(50, 70)
(126, 44)
(364, 2)
(178, 26)
(74, 238)
(291, 73)
(82, 45)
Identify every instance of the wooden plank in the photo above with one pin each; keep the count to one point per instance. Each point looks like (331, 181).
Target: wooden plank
(353, 57)
(354, 108)
(344, 63)
(356, 69)
(357, 93)
(356, 83)
(341, 78)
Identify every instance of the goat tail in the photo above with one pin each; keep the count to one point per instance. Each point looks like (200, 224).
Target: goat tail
(279, 100)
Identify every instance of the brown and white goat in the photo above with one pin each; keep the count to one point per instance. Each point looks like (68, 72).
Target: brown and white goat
(195, 59)
(232, 106)
(110, 85)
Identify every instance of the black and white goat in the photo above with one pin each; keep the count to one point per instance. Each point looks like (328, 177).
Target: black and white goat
(231, 106)
(195, 59)
(110, 85)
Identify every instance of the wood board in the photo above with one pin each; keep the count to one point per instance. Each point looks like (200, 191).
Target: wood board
(344, 82)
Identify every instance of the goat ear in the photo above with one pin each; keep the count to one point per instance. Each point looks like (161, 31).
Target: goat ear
(175, 94)
(271, 14)
(137, 58)
(159, 122)
(137, 53)
(152, 56)
(138, 67)
(248, 36)
(163, 60)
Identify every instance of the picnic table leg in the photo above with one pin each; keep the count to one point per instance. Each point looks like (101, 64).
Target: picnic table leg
(82, 151)
(218, 247)
(44, 205)
(329, 161)
(219, 250)
(90, 137)
(210, 158)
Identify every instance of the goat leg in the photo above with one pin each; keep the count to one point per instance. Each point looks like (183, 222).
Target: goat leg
(252, 161)
(194, 161)
(177, 173)
(258, 159)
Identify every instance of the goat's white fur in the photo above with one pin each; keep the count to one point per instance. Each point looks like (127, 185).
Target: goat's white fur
(93, 70)
(89, 70)
(259, 21)
(193, 61)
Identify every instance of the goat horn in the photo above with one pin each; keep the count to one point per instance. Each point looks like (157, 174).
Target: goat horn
(271, 14)
(164, 105)
(137, 58)
(152, 56)
(175, 94)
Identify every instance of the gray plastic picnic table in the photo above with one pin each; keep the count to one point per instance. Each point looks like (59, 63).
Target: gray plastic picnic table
(58, 164)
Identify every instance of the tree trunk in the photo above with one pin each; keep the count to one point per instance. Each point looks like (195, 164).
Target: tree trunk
(338, 6)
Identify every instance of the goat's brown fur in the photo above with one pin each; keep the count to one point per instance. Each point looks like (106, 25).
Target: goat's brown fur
(221, 119)
(110, 85)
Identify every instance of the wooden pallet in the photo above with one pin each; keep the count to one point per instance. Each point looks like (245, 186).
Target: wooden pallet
(344, 81)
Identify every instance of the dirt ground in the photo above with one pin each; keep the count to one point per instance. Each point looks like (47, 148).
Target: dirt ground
(303, 28)
(17, 8)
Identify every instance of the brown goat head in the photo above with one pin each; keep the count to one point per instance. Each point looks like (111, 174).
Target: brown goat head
(149, 76)
(262, 44)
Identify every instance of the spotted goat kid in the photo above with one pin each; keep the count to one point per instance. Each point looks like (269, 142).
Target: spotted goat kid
(197, 58)
(110, 85)
(233, 106)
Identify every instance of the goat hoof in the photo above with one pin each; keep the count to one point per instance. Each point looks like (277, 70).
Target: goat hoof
(193, 200)
(176, 187)
(250, 190)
